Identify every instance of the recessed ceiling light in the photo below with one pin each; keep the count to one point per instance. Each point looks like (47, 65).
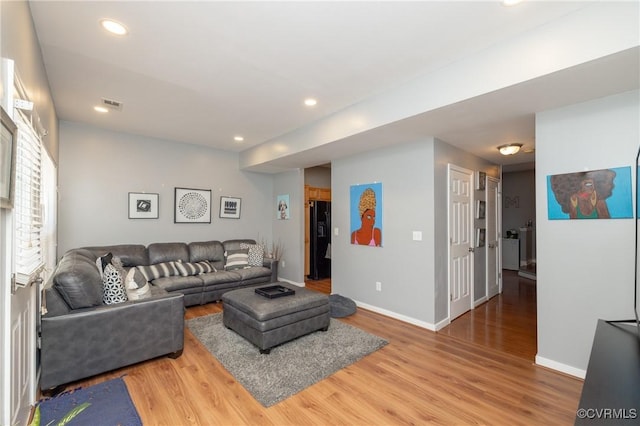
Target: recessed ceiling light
(511, 2)
(114, 27)
(310, 102)
(238, 138)
(100, 109)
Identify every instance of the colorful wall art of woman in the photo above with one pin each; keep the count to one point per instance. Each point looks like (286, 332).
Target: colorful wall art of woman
(584, 195)
(367, 234)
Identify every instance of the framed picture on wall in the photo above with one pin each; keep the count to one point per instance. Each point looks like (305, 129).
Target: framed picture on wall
(282, 204)
(481, 180)
(480, 237)
(230, 207)
(481, 207)
(192, 205)
(143, 205)
(8, 145)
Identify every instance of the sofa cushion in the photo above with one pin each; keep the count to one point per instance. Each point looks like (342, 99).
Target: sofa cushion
(113, 289)
(166, 252)
(220, 277)
(159, 270)
(130, 254)
(135, 279)
(253, 272)
(212, 251)
(185, 285)
(187, 268)
(256, 253)
(236, 259)
(78, 281)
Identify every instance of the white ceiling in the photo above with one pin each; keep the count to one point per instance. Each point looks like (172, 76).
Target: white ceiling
(202, 72)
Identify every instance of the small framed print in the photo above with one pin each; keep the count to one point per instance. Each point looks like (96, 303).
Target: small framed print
(192, 205)
(143, 205)
(230, 207)
(481, 207)
(282, 202)
(481, 180)
(480, 236)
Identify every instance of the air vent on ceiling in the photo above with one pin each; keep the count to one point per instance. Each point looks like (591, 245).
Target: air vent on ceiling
(112, 104)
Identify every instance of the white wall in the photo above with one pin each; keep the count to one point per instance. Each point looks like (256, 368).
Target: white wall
(319, 177)
(585, 267)
(404, 267)
(289, 231)
(414, 196)
(98, 169)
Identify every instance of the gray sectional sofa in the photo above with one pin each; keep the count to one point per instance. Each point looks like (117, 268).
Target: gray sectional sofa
(82, 337)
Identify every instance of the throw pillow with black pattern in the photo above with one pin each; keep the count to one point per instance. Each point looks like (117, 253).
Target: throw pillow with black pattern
(113, 289)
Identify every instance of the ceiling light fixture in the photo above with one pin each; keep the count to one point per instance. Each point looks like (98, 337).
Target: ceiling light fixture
(310, 102)
(114, 27)
(509, 149)
(100, 109)
(511, 2)
(238, 138)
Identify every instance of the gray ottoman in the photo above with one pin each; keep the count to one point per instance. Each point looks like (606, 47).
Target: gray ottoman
(269, 322)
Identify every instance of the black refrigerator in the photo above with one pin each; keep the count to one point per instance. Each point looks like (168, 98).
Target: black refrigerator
(320, 240)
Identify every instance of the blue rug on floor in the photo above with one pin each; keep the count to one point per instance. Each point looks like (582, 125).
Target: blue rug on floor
(110, 405)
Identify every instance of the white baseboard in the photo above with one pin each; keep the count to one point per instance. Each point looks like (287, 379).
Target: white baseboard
(284, 280)
(558, 366)
(442, 324)
(480, 301)
(397, 316)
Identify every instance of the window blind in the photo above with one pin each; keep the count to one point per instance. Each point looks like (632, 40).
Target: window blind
(28, 202)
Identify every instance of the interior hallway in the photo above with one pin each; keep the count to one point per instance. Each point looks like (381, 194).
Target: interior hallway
(506, 323)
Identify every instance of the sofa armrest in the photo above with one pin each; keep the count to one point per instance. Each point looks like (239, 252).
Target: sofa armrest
(273, 265)
(91, 341)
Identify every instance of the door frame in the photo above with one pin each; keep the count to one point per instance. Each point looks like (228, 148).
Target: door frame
(471, 216)
(498, 251)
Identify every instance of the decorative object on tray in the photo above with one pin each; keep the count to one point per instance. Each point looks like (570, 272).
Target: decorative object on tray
(143, 205)
(275, 291)
(308, 359)
(192, 205)
(230, 207)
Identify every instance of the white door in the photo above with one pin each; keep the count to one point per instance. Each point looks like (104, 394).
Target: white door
(493, 237)
(460, 238)
(23, 350)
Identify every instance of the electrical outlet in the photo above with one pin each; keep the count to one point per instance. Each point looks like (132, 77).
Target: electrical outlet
(378, 286)
(282, 263)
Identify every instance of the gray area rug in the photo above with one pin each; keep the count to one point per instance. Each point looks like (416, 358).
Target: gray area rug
(290, 367)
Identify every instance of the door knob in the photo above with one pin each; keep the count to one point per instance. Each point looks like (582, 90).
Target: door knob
(471, 249)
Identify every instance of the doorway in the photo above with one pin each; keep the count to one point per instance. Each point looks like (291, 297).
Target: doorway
(317, 226)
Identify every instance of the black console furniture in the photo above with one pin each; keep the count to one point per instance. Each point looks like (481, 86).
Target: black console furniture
(611, 391)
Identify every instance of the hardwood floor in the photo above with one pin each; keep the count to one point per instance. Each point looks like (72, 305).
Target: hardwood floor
(506, 323)
(420, 377)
